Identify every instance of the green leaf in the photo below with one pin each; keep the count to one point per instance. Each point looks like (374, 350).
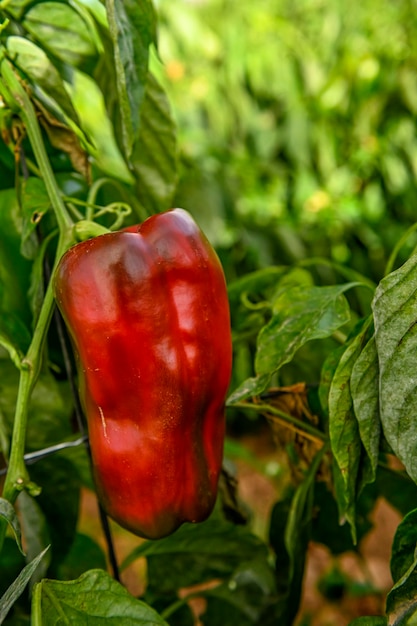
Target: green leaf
(8, 512)
(61, 30)
(344, 431)
(300, 314)
(132, 27)
(197, 553)
(364, 385)
(402, 599)
(94, 598)
(249, 388)
(17, 587)
(395, 315)
(154, 151)
(40, 71)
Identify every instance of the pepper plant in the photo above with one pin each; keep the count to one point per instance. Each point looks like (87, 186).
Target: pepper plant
(88, 147)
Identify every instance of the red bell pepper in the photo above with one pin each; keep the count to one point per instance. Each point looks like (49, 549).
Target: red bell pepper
(148, 314)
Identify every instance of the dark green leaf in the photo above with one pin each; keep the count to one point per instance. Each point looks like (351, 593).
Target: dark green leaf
(35, 532)
(395, 314)
(132, 27)
(154, 151)
(243, 598)
(61, 30)
(8, 512)
(364, 385)
(94, 598)
(397, 488)
(14, 336)
(59, 503)
(84, 553)
(300, 314)
(197, 553)
(402, 599)
(17, 587)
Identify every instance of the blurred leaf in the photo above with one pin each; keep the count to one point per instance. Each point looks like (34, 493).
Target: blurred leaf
(154, 151)
(300, 314)
(18, 586)
(344, 432)
(61, 30)
(84, 553)
(254, 282)
(395, 314)
(132, 28)
(8, 512)
(402, 599)
(364, 386)
(91, 598)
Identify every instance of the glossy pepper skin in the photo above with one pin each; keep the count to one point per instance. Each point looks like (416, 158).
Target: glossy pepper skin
(148, 314)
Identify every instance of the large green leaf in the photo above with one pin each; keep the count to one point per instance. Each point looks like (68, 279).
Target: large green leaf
(94, 598)
(42, 74)
(132, 27)
(300, 314)
(154, 151)
(197, 553)
(395, 315)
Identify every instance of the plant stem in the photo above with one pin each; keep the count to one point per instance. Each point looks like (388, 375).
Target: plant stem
(290, 419)
(17, 477)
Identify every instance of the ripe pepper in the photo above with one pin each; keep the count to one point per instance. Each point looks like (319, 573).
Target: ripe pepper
(148, 314)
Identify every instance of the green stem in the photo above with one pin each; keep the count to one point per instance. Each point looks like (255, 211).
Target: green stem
(17, 477)
(290, 419)
(28, 115)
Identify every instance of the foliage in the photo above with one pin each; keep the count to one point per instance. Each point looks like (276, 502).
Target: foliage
(296, 127)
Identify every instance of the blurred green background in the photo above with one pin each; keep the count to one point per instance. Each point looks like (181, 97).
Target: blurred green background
(297, 127)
